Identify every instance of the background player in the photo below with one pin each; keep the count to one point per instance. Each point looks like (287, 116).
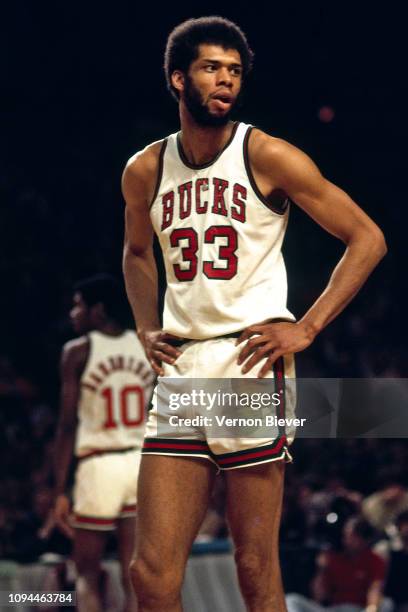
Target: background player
(217, 196)
(106, 381)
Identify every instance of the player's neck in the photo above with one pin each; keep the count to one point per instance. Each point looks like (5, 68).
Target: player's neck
(110, 328)
(200, 143)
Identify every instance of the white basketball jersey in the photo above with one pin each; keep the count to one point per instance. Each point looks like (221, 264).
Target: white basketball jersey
(221, 243)
(115, 386)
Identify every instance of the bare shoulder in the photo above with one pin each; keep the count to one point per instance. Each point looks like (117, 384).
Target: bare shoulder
(264, 149)
(75, 353)
(284, 165)
(141, 171)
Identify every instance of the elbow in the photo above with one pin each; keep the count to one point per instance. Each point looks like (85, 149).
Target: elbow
(370, 239)
(135, 257)
(125, 258)
(128, 257)
(134, 251)
(378, 243)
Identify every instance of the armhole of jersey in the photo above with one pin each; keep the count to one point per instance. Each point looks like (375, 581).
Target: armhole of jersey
(277, 211)
(159, 172)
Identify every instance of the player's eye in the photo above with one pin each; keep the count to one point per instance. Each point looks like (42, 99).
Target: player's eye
(236, 71)
(210, 68)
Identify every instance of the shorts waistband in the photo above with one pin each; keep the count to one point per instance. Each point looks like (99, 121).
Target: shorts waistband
(180, 341)
(108, 451)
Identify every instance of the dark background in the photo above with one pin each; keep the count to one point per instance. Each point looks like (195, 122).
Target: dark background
(83, 89)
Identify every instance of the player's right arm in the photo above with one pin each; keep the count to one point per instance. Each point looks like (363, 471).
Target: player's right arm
(139, 266)
(73, 359)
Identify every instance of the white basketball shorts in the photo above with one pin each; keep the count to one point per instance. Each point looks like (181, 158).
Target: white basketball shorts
(208, 370)
(105, 489)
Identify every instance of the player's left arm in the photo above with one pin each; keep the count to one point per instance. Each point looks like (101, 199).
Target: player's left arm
(73, 359)
(277, 165)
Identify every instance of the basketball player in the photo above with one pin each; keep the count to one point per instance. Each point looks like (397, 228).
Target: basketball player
(106, 381)
(217, 196)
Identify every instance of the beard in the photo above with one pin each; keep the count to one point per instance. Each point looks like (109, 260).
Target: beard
(199, 111)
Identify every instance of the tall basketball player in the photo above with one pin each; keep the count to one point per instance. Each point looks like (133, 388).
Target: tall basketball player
(106, 381)
(217, 195)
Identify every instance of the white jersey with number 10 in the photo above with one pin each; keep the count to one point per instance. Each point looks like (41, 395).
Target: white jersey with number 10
(115, 386)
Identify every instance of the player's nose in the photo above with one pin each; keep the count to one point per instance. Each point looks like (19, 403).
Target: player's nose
(224, 77)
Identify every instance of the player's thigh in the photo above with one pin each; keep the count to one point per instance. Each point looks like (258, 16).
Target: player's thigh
(173, 496)
(254, 506)
(88, 549)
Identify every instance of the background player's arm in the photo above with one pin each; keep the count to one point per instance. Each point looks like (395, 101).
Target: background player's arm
(375, 593)
(278, 165)
(139, 266)
(374, 596)
(73, 359)
(321, 587)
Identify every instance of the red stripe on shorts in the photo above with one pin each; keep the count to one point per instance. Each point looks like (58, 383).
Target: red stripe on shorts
(128, 508)
(254, 455)
(278, 370)
(95, 521)
(162, 446)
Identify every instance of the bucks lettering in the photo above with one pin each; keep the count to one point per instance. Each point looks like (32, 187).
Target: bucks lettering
(201, 196)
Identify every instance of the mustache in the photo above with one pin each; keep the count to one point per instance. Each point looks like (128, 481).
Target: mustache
(197, 106)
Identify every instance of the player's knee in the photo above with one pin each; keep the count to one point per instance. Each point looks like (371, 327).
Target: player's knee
(87, 566)
(252, 573)
(155, 583)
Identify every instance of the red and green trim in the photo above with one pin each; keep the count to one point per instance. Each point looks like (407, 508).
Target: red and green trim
(128, 511)
(175, 447)
(93, 522)
(279, 378)
(260, 454)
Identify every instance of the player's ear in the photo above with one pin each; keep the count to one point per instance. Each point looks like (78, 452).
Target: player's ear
(177, 80)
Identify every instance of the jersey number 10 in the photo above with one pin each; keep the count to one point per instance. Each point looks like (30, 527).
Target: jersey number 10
(122, 402)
